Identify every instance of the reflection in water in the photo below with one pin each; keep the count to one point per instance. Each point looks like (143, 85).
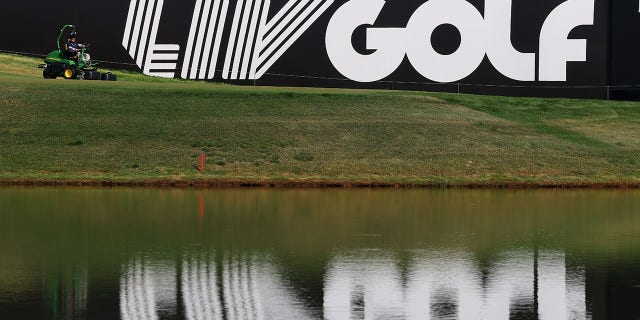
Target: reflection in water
(67, 293)
(562, 291)
(200, 287)
(359, 284)
(298, 254)
(374, 284)
(363, 285)
(240, 286)
(147, 289)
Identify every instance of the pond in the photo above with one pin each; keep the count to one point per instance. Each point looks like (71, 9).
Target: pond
(76, 253)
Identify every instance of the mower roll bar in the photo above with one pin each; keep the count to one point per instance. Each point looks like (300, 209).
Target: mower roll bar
(73, 29)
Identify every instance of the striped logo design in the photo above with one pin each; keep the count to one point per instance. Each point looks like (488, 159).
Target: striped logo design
(139, 39)
(260, 43)
(255, 41)
(202, 49)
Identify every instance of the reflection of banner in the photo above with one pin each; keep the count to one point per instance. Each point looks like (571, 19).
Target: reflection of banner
(199, 287)
(366, 284)
(147, 289)
(448, 284)
(213, 286)
(66, 294)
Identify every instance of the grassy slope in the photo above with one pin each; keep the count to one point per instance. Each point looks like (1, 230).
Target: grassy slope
(142, 128)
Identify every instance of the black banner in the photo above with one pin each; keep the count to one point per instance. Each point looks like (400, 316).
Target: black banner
(571, 48)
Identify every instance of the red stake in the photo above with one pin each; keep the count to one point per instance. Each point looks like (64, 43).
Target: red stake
(201, 162)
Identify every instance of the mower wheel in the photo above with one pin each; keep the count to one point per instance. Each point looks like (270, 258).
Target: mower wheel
(92, 75)
(47, 75)
(109, 77)
(69, 73)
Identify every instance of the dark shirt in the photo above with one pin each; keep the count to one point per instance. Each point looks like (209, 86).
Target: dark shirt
(72, 47)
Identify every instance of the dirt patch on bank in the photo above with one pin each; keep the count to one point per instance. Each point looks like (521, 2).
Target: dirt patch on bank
(164, 183)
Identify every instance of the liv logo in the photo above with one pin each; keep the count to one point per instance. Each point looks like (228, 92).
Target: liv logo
(142, 47)
(255, 43)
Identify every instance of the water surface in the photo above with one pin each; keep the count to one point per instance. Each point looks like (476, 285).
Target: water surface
(75, 253)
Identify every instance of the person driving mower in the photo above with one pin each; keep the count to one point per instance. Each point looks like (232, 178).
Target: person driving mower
(72, 48)
(71, 60)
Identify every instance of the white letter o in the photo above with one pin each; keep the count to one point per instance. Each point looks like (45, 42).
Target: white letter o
(458, 65)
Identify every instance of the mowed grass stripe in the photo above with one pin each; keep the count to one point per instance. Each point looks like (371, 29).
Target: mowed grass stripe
(135, 129)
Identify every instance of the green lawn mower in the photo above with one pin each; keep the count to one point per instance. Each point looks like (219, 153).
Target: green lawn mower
(72, 65)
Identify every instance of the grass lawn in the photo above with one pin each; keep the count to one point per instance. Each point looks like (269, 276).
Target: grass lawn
(154, 130)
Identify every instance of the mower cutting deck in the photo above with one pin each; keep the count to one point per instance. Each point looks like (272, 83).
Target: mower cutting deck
(60, 63)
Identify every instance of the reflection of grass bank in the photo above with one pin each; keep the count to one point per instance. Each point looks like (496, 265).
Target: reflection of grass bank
(136, 130)
(593, 222)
